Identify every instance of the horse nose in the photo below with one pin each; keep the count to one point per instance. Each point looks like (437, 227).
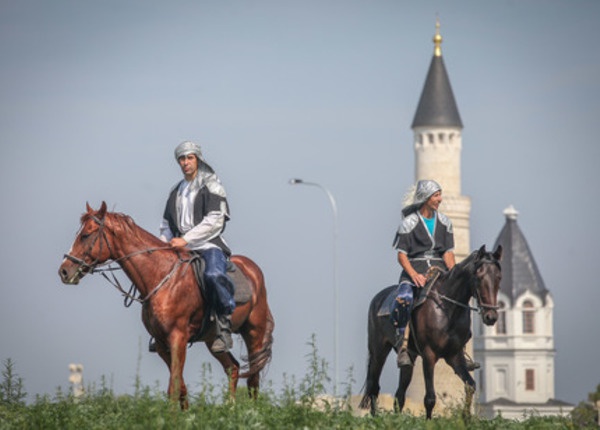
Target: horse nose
(490, 317)
(62, 272)
(64, 275)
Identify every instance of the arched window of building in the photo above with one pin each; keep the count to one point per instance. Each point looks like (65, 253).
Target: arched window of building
(528, 318)
(431, 137)
(501, 323)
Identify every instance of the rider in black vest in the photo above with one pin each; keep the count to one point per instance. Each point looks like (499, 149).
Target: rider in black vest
(194, 218)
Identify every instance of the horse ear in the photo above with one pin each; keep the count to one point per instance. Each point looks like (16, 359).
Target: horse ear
(498, 253)
(102, 210)
(88, 207)
(481, 251)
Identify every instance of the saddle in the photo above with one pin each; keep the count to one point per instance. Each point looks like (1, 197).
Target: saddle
(387, 305)
(242, 293)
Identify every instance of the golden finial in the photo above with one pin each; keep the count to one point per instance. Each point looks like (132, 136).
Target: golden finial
(437, 39)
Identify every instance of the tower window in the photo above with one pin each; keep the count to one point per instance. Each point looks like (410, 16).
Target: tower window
(528, 318)
(430, 137)
(501, 323)
(529, 379)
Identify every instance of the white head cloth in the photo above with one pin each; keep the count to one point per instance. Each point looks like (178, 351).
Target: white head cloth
(422, 192)
(209, 177)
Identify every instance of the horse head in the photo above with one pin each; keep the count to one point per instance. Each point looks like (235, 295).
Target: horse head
(90, 247)
(488, 275)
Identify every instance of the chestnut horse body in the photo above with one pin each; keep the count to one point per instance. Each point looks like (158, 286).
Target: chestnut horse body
(173, 309)
(440, 327)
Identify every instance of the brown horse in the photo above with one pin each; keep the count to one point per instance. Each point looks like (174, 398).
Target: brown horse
(440, 327)
(173, 308)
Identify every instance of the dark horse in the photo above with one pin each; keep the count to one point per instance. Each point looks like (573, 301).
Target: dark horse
(173, 309)
(439, 328)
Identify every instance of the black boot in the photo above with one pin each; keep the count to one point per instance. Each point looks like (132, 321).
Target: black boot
(152, 345)
(403, 359)
(223, 341)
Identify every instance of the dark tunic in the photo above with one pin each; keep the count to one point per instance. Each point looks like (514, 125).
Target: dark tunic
(422, 248)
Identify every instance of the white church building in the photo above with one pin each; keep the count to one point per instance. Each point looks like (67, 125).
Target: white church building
(516, 378)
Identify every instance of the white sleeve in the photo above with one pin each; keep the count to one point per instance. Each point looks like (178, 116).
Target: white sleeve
(209, 228)
(165, 234)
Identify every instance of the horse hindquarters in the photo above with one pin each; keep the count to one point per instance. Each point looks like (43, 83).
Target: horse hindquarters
(379, 349)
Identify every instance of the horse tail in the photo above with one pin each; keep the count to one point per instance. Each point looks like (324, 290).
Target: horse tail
(365, 402)
(258, 360)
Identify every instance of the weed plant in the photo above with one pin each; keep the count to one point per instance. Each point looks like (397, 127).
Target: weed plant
(298, 406)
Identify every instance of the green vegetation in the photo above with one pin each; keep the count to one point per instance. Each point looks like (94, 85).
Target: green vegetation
(211, 408)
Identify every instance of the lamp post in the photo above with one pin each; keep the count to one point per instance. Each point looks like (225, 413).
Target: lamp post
(297, 181)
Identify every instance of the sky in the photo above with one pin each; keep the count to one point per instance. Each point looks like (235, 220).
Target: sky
(94, 97)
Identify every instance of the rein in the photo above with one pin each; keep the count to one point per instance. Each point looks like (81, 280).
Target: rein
(96, 267)
(474, 293)
(129, 297)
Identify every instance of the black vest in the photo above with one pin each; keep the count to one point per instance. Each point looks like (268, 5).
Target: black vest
(204, 203)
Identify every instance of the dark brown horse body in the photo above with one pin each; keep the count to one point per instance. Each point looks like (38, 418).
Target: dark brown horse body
(173, 309)
(440, 327)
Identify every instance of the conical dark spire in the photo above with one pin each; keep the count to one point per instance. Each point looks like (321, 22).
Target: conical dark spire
(519, 271)
(437, 107)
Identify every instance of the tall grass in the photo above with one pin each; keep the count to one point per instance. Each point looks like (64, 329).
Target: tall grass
(212, 408)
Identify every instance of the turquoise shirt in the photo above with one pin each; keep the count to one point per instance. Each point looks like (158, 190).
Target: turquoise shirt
(430, 223)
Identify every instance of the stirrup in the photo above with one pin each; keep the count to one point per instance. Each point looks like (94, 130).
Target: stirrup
(403, 359)
(152, 345)
(470, 363)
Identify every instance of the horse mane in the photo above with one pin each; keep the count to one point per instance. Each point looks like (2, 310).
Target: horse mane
(126, 223)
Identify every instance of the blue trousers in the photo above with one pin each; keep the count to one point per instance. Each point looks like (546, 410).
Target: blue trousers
(220, 289)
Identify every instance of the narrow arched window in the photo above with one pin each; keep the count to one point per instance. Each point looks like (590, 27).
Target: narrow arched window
(501, 323)
(528, 318)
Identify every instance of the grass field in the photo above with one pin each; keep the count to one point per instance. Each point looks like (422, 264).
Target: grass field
(212, 408)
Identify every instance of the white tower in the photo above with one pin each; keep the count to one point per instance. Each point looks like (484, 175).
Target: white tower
(517, 353)
(437, 131)
(437, 135)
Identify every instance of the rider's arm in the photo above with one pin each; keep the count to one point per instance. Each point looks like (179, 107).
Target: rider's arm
(209, 228)
(418, 279)
(449, 259)
(165, 234)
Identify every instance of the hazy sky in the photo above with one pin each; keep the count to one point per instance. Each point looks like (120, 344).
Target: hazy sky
(94, 96)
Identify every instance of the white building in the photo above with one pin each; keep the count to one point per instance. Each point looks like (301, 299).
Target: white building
(517, 353)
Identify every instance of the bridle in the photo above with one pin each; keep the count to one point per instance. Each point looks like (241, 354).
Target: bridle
(84, 267)
(97, 267)
(475, 293)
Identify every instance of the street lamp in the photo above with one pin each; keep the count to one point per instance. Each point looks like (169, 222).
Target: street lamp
(297, 181)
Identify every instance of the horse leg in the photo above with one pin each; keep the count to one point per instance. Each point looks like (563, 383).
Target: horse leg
(429, 361)
(406, 374)
(174, 357)
(230, 366)
(254, 345)
(378, 352)
(459, 366)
